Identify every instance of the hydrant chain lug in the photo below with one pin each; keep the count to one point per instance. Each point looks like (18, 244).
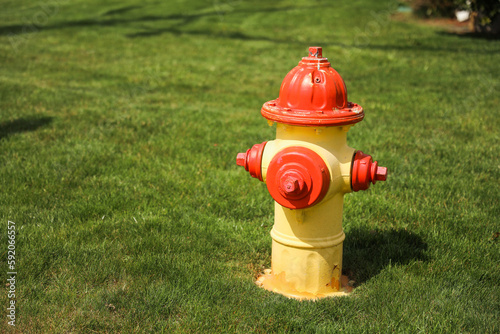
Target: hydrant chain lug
(307, 171)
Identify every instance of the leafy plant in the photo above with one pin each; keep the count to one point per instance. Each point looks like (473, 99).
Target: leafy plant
(434, 8)
(487, 11)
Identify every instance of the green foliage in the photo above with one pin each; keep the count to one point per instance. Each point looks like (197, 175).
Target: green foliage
(436, 8)
(488, 10)
(120, 122)
(485, 11)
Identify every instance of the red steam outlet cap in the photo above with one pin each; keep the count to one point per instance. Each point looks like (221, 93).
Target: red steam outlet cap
(252, 160)
(297, 178)
(313, 94)
(364, 171)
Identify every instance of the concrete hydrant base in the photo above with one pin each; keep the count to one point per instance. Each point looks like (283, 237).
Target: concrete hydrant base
(278, 284)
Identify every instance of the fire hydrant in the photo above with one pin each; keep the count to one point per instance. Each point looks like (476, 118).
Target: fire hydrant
(307, 170)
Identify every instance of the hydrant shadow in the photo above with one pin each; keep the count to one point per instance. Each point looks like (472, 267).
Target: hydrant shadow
(367, 252)
(25, 124)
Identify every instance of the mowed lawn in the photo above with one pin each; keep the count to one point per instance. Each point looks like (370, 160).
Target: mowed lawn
(120, 122)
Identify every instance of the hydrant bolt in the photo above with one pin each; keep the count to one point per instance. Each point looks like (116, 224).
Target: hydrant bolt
(291, 184)
(381, 174)
(316, 51)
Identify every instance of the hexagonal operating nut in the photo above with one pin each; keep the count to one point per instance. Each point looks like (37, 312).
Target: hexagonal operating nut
(292, 185)
(381, 174)
(241, 160)
(316, 51)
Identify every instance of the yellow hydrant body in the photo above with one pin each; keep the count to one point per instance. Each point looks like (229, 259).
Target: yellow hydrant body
(307, 170)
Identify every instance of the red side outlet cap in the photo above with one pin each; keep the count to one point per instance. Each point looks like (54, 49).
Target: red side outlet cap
(252, 160)
(297, 178)
(364, 171)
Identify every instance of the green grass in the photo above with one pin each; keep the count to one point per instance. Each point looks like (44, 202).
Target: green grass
(120, 122)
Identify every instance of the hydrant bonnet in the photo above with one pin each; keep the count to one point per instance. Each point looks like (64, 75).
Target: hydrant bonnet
(313, 94)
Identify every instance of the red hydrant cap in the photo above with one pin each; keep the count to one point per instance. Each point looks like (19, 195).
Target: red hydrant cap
(252, 160)
(297, 178)
(313, 94)
(365, 171)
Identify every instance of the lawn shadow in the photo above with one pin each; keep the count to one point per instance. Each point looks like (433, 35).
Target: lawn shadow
(421, 46)
(24, 124)
(121, 10)
(177, 23)
(231, 35)
(473, 35)
(366, 252)
(175, 29)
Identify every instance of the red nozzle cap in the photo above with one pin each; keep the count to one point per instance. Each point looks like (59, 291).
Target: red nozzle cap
(364, 171)
(297, 178)
(252, 160)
